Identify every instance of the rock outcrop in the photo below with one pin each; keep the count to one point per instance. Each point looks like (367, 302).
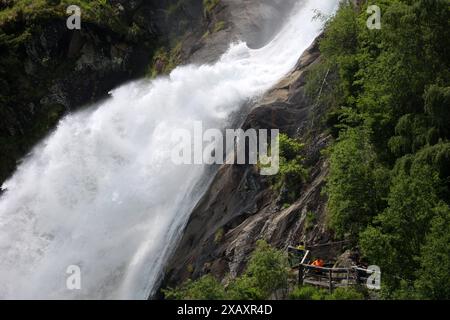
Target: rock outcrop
(254, 22)
(241, 207)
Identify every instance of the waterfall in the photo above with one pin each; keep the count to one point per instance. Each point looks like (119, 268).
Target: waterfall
(101, 193)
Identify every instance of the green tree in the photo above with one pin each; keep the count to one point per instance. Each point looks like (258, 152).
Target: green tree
(308, 293)
(437, 105)
(394, 84)
(245, 288)
(292, 172)
(411, 134)
(356, 184)
(395, 240)
(266, 273)
(433, 280)
(345, 294)
(268, 268)
(205, 288)
(312, 293)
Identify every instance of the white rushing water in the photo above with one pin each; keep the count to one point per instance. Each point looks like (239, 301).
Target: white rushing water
(101, 191)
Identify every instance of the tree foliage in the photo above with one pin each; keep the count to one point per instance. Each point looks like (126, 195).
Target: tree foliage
(433, 277)
(312, 293)
(292, 172)
(394, 240)
(266, 273)
(389, 182)
(205, 288)
(356, 184)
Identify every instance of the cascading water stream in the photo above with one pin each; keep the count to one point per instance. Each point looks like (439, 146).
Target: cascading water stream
(101, 191)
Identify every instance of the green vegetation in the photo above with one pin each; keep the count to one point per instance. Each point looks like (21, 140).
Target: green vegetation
(208, 6)
(312, 293)
(175, 7)
(266, 274)
(292, 172)
(432, 276)
(356, 184)
(31, 12)
(310, 221)
(206, 288)
(308, 293)
(387, 97)
(164, 60)
(219, 26)
(218, 237)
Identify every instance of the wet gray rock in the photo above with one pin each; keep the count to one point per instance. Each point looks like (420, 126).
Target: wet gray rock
(254, 22)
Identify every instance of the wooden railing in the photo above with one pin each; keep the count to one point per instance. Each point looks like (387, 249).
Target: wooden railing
(332, 278)
(326, 277)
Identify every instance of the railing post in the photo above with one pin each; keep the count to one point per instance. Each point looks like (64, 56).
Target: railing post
(330, 275)
(300, 274)
(357, 278)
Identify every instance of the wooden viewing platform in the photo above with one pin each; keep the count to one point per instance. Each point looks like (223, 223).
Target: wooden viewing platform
(327, 277)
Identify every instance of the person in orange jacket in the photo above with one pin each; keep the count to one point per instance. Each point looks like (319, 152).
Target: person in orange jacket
(318, 263)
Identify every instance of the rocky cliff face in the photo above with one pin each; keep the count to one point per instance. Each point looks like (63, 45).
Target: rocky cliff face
(241, 207)
(254, 22)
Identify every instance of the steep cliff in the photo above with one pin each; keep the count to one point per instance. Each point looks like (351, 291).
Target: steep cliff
(387, 188)
(242, 206)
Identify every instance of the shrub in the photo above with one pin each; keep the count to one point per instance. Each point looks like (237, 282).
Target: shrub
(218, 237)
(310, 221)
(244, 288)
(268, 268)
(433, 277)
(206, 288)
(208, 6)
(292, 173)
(345, 294)
(266, 273)
(356, 184)
(308, 293)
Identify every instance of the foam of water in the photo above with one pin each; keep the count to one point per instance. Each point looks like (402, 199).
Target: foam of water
(101, 192)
